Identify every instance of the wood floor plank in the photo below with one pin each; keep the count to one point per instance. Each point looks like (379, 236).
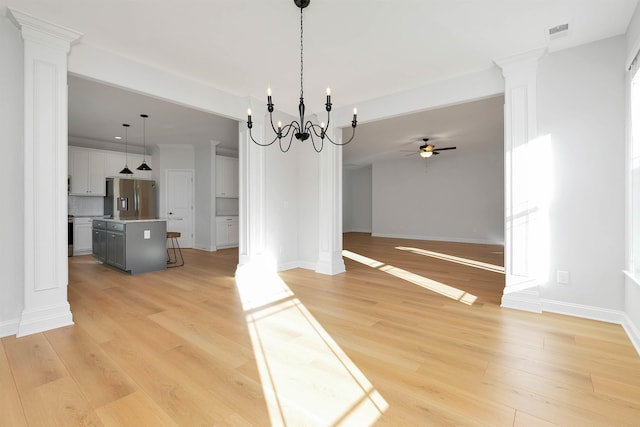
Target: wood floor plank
(99, 378)
(184, 347)
(58, 403)
(33, 361)
(134, 410)
(11, 411)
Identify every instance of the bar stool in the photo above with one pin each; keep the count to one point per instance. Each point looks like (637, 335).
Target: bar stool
(173, 236)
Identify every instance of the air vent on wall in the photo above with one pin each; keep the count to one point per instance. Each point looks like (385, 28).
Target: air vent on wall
(558, 31)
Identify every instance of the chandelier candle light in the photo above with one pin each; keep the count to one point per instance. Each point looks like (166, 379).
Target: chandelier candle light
(300, 129)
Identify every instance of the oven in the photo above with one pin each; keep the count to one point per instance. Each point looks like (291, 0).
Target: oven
(70, 234)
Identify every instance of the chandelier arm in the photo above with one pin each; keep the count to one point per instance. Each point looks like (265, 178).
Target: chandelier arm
(317, 129)
(290, 141)
(313, 142)
(260, 144)
(342, 143)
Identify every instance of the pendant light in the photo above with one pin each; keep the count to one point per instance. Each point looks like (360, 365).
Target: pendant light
(126, 170)
(144, 166)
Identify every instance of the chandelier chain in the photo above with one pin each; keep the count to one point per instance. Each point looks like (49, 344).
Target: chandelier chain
(301, 57)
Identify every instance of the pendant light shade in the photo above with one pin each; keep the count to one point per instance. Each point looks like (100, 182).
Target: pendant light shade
(126, 170)
(144, 166)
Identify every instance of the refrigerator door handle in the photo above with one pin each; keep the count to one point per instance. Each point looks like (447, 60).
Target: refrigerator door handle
(123, 203)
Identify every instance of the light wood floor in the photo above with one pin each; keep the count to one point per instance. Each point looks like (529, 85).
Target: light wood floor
(412, 334)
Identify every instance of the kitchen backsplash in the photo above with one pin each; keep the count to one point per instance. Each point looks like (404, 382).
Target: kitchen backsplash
(85, 205)
(226, 207)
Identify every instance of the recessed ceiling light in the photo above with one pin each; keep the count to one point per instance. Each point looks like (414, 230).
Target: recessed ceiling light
(117, 137)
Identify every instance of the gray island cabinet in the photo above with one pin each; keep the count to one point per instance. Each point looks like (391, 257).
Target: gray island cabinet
(135, 246)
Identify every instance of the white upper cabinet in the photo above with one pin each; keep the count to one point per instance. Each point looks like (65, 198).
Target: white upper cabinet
(227, 177)
(86, 172)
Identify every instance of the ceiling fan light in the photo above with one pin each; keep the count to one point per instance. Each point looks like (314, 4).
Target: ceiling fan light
(426, 153)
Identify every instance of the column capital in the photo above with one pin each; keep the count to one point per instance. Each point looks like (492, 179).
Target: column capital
(38, 30)
(519, 62)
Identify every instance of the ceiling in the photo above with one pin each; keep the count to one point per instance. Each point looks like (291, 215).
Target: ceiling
(362, 49)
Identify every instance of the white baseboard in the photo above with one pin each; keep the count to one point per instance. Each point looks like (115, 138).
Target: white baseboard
(584, 311)
(437, 238)
(632, 332)
(44, 319)
(522, 301)
(9, 327)
(357, 231)
(205, 248)
(296, 264)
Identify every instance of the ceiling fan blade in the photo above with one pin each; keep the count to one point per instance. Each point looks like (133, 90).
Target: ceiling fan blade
(445, 148)
(435, 153)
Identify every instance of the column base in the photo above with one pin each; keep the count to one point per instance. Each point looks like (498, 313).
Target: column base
(34, 321)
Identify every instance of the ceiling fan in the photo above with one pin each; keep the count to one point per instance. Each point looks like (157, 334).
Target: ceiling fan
(427, 150)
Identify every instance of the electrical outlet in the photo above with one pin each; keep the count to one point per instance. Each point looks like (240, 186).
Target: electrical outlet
(562, 277)
(147, 234)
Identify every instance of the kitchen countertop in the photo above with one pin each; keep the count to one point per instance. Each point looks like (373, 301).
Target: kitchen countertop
(131, 220)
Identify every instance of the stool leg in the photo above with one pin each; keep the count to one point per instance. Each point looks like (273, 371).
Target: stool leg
(174, 262)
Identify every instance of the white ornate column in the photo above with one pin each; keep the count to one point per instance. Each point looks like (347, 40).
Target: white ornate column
(330, 259)
(521, 253)
(252, 165)
(46, 47)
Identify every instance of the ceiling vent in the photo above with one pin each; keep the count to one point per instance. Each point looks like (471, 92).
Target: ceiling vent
(558, 31)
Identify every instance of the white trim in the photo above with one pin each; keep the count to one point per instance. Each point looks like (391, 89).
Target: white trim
(44, 319)
(583, 311)
(357, 230)
(522, 300)
(290, 265)
(635, 279)
(9, 327)
(436, 238)
(632, 331)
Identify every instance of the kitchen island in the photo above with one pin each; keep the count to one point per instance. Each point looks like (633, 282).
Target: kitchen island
(133, 246)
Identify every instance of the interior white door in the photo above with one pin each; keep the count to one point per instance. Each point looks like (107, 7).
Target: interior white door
(179, 193)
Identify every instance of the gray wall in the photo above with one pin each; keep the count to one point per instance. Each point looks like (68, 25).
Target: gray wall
(456, 196)
(357, 199)
(581, 98)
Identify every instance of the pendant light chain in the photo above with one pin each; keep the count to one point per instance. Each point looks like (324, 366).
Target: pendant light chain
(144, 166)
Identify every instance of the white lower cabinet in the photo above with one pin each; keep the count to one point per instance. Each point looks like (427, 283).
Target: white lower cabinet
(82, 236)
(227, 232)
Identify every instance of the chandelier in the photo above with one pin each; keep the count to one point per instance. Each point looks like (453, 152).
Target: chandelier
(300, 129)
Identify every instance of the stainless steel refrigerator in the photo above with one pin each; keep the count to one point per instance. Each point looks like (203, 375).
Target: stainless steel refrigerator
(129, 199)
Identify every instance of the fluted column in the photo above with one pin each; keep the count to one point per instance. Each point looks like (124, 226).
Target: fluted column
(46, 47)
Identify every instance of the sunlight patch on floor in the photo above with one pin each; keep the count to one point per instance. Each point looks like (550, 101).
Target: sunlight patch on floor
(459, 260)
(306, 377)
(432, 285)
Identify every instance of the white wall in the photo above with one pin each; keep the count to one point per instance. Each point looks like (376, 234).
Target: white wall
(632, 287)
(308, 205)
(581, 107)
(455, 196)
(205, 197)
(357, 199)
(11, 177)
